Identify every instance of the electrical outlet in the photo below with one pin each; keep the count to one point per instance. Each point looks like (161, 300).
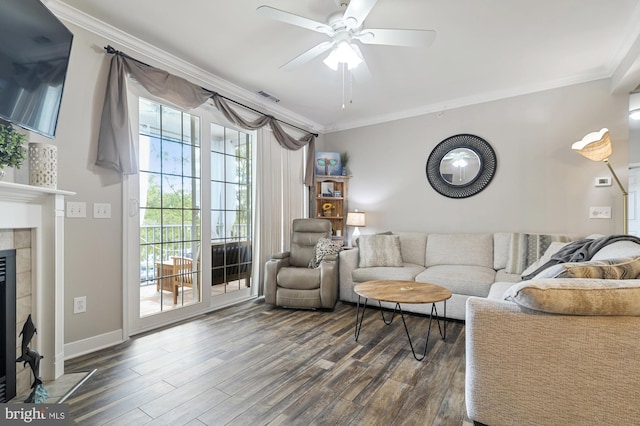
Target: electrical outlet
(76, 209)
(101, 210)
(79, 304)
(599, 212)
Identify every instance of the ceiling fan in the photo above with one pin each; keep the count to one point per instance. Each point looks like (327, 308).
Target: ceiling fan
(343, 29)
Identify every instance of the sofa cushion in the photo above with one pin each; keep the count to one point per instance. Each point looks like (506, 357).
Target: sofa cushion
(460, 249)
(379, 250)
(578, 296)
(503, 276)
(617, 250)
(627, 268)
(324, 247)
(501, 244)
(407, 272)
(498, 289)
(413, 247)
(460, 279)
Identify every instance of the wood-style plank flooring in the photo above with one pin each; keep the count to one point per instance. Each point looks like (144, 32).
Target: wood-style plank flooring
(254, 364)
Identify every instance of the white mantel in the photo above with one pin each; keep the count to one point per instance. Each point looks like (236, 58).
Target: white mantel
(42, 210)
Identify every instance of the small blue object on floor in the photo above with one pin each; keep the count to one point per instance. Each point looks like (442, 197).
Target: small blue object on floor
(39, 395)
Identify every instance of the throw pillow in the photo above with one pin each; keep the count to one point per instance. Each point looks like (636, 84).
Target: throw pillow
(525, 249)
(613, 269)
(578, 296)
(379, 250)
(323, 247)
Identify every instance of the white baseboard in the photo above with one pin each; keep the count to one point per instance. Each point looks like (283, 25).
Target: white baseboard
(92, 344)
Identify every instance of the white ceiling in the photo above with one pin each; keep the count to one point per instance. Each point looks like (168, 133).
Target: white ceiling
(484, 50)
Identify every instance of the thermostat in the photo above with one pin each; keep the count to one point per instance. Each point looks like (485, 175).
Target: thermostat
(603, 181)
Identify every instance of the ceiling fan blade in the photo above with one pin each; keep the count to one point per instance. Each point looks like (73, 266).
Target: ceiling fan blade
(308, 55)
(358, 11)
(290, 18)
(393, 37)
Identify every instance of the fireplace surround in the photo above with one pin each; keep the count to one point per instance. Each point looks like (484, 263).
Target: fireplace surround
(39, 212)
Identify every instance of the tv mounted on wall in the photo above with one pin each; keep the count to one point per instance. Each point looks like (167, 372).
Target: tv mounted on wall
(34, 55)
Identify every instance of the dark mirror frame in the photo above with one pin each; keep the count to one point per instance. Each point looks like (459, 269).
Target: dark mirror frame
(488, 165)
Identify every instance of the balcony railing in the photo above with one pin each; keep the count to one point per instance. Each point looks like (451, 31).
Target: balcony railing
(230, 257)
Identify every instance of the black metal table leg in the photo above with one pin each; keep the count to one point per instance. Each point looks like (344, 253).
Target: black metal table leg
(359, 317)
(393, 314)
(442, 330)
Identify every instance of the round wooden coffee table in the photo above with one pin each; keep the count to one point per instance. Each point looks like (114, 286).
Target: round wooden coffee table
(398, 292)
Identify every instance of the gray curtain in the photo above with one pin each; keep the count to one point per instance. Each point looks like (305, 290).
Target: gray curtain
(115, 140)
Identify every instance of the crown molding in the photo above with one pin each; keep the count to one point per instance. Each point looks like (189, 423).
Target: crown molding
(176, 65)
(468, 101)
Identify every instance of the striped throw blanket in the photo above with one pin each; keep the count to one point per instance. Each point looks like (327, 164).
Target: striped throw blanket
(525, 249)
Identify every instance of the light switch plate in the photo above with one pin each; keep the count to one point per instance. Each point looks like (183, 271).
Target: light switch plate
(76, 209)
(599, 212)
(101, 210)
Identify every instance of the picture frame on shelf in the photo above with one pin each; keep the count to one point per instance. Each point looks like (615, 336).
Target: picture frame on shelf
(328, 163)
(326, 189)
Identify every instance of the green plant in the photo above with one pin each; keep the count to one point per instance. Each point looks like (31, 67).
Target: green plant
(12, 151)
(344, 158)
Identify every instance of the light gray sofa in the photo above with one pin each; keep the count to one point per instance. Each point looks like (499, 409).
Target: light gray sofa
(466, 264)
(558, 351)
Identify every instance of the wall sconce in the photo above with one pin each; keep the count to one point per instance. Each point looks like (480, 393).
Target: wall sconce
(356, 219)
(596, 146)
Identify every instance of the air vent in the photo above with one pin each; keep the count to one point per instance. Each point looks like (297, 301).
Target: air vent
(268, 96)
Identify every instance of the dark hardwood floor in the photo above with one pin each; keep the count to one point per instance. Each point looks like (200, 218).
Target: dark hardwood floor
(253, 364)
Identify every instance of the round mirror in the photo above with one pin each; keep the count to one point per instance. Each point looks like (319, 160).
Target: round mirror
(461, 166)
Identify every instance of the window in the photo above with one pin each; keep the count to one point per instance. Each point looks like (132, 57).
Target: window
(169, 207)
(231, 221)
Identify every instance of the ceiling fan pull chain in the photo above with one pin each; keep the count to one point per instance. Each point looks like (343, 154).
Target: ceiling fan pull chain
(344, 66)
(350, 87)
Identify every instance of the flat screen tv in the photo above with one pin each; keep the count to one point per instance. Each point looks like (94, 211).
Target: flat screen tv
(34, 54)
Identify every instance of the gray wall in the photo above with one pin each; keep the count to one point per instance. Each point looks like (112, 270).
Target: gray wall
(540, 184)
(93, 247)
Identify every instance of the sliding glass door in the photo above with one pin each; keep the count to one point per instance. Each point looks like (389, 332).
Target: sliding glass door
(189, 220)
(169, 197)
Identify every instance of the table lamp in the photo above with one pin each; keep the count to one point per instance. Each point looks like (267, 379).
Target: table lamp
(596, 146)
(356, 219)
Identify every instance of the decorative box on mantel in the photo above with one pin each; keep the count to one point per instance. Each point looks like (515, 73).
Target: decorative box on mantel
(41, 209)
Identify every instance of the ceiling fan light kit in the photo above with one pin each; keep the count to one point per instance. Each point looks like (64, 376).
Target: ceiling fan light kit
(343, 53)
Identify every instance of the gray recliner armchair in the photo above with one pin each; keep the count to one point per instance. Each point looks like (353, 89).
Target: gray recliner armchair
(288, 279)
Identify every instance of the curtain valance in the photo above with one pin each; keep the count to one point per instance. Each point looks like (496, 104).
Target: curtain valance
(116, 150)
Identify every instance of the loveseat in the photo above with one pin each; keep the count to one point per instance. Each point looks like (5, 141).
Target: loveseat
(559, 348)
(466, 264)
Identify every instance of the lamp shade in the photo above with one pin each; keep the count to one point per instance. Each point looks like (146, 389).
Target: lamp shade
(356, 219)
(595, 146)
